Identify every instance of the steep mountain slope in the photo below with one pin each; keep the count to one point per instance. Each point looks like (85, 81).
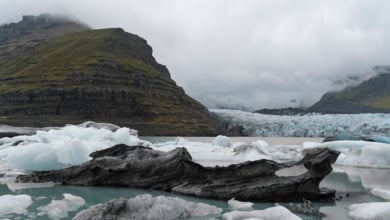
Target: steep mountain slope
(372, 95)
(103, 75)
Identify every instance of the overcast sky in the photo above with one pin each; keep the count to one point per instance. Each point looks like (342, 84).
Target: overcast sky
(243, 53)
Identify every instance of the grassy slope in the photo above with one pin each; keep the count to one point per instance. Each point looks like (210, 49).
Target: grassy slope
(82, 54)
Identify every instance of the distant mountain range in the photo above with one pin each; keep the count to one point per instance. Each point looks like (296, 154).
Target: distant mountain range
(54, 71)
(372, 95)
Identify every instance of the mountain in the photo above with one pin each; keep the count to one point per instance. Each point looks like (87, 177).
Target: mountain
(372, 95)
(71, 73)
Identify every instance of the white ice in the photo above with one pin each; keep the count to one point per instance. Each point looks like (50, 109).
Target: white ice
(17, 204)
(161, 207)
(273, 213)
(59, 148)
(58, 209)
(222, 141)
(383, 193)
(314, 125)
(239, 205)
(357, 153)
(370, 211)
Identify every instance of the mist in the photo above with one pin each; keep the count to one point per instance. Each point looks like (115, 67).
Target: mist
(244, 54)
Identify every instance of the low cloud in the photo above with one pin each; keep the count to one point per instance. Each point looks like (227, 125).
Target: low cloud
(244, 54)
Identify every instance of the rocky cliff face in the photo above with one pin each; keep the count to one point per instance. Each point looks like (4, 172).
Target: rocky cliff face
(103, 75)
(372, 95)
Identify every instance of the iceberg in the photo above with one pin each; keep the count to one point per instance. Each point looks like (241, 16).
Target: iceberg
(357, 153)
(58, 209)
(369, 211)
(384, 194)
(240, 206)
(62, 147)
(310, 125)
(273, 213)
(148, 207)
(14, 204)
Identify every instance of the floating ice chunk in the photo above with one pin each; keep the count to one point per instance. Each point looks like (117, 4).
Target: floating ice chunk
(58, 209)
(240, 206)
(273, 213)
(14, 204)
(385, 194)
(222, 141)
(60, 148)
(148, 207)
(370, 211)
(358, 153)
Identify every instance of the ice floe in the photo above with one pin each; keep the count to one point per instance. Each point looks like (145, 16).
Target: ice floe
(148, 207)
(358, 153)
(383, 193)
(58, 209)
(239, 205)
(273, 213)
(370, 211)
(17, 204)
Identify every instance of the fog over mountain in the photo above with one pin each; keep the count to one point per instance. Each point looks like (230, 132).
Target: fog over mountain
(244, 54)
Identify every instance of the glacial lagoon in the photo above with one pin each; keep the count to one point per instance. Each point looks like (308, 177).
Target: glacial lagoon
(352, 183)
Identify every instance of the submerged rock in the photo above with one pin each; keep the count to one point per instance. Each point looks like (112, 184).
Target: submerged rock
(174, 171)
(148, 207)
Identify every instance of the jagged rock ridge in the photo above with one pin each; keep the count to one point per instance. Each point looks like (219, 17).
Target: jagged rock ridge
(105, 75)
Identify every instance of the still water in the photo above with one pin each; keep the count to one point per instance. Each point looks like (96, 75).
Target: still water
(356, 182)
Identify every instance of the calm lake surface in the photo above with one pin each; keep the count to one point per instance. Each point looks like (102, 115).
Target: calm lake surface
(357, 182)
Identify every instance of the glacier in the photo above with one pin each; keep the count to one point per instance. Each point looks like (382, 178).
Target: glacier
(309, 125)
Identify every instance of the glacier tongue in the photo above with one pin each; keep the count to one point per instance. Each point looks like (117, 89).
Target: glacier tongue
(314, 125)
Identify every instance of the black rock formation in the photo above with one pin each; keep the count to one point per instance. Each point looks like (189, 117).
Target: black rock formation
(174, 171)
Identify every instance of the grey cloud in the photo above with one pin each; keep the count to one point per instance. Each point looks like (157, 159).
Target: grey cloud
(244, 54)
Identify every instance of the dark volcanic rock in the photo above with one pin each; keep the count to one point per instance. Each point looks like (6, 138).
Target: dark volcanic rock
(175, 171)
(105, 75)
